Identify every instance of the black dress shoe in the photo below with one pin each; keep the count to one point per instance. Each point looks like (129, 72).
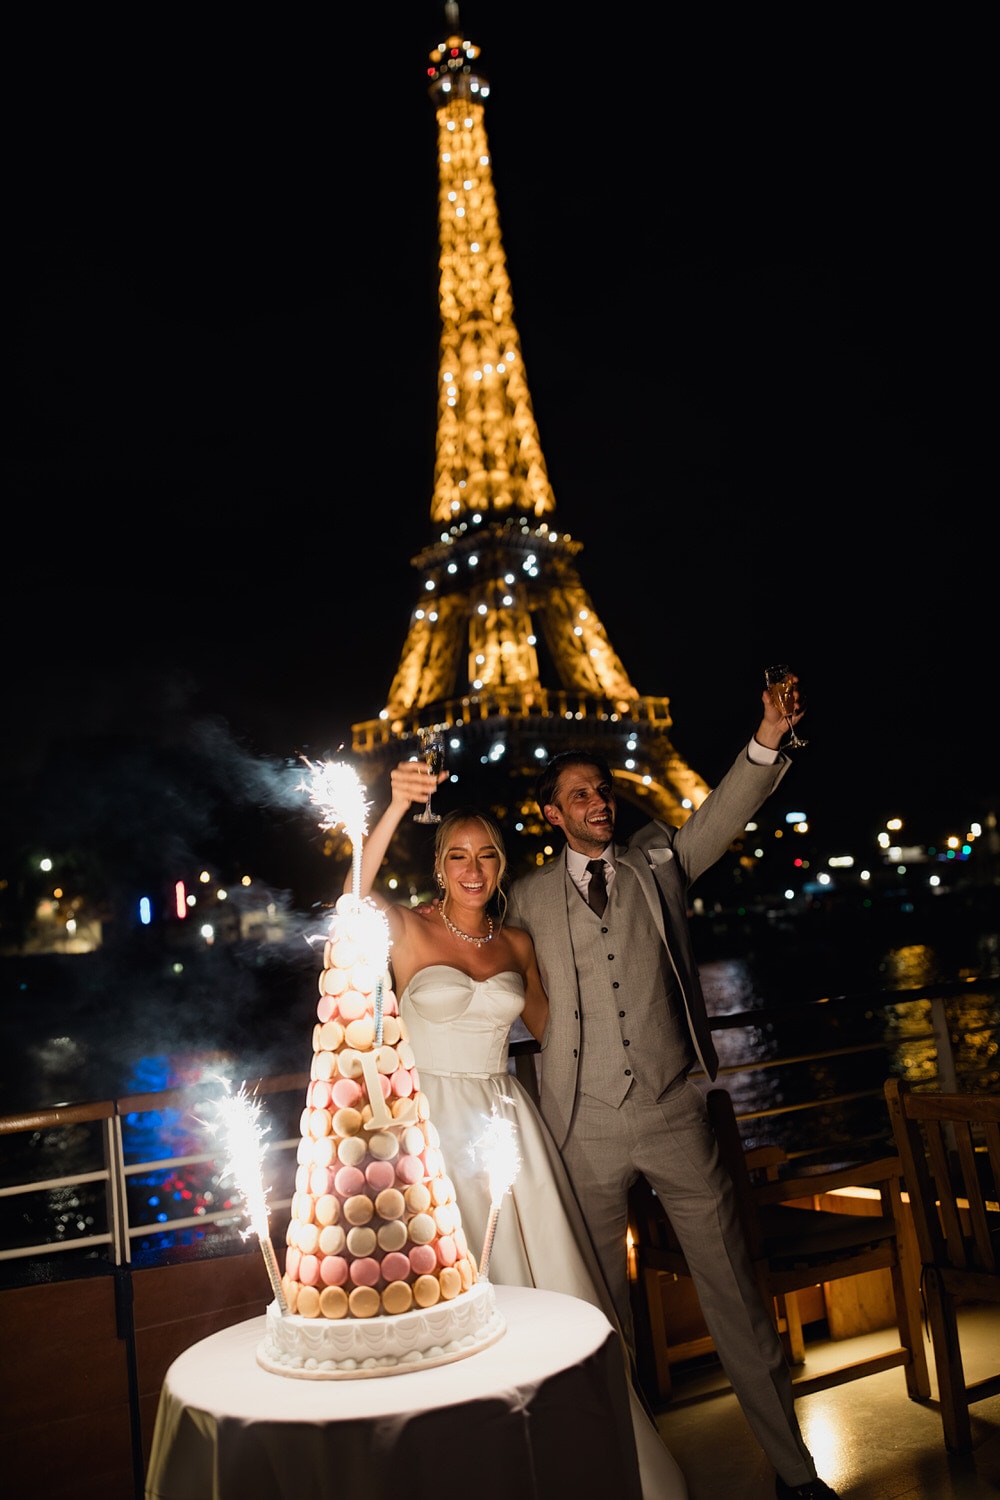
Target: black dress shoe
(813, 1489)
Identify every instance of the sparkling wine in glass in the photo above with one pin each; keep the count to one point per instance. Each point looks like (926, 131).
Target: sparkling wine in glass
(432, 754)
(780, 682)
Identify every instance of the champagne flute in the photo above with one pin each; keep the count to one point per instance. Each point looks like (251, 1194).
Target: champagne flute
(432, 754)
(780, 682)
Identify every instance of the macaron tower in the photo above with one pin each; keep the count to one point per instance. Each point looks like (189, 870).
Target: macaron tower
(378, 1275)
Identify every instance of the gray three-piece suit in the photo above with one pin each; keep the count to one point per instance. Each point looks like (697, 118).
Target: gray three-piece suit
(627, 1021)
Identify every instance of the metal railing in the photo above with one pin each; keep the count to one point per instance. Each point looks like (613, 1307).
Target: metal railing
(119, 1168)
(529, 703)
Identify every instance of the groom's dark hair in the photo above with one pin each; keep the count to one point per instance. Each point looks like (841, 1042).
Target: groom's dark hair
(545, 786)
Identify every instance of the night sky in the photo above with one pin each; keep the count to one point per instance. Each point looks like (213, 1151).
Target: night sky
(747, 284)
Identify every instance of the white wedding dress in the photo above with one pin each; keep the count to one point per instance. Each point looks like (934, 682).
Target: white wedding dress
(459, 1029)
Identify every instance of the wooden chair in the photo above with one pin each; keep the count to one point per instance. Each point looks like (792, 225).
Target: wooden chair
(949, 1145)
(794, 1245)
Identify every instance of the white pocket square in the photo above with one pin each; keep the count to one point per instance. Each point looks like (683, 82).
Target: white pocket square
(659, 856)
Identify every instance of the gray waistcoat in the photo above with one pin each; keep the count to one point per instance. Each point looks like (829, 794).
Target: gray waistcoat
(633, 1033)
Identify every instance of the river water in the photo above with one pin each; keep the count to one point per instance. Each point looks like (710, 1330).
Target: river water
(142, 1018)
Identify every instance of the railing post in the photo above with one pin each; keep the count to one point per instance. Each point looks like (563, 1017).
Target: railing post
(947, 1076)
(125, 1327)
(114, 1161)
(121, 1245)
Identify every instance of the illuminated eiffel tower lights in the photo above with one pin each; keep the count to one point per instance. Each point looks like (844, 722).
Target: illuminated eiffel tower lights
(499, 567)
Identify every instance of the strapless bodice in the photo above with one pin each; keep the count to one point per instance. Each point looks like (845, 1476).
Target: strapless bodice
(457, 1024)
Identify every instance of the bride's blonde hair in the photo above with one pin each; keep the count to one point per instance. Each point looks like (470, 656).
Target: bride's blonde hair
(443, 840)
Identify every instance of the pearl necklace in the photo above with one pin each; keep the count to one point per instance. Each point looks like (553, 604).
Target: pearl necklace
(466, 937)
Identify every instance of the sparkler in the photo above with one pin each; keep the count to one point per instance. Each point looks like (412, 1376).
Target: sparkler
(337, 790)
(497, 1147)
(368, 929)
(238, 1119)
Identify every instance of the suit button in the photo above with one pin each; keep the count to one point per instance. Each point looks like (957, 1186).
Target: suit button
(611, 955)
(604, 930)
(574, 1052)
(628, 1072)
(626, 1043)
(621, 1013)
(615, 985)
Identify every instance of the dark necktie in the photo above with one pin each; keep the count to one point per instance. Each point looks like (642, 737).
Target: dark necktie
(597, 890)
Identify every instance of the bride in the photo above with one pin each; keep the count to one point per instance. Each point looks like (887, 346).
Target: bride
(462, 978)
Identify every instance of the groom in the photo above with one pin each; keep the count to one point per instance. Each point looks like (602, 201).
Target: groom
(627, 1022)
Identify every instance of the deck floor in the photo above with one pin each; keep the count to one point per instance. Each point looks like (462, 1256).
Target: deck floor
(870, 1441)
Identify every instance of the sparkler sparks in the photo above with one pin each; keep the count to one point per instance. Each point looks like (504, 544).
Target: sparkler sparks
(497, 1147)
(337, 790)
(238, 1122)
(366, 927)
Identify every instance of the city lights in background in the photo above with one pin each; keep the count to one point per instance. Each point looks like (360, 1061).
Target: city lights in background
(772, 871)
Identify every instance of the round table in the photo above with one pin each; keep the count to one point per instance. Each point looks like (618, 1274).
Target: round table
(543, 1412)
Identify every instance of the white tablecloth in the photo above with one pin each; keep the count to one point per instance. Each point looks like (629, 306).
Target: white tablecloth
(542, 1413)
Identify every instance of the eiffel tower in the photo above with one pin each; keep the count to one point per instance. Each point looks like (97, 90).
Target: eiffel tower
(499, 587)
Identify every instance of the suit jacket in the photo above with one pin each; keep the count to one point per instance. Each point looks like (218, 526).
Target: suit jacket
(667, 861)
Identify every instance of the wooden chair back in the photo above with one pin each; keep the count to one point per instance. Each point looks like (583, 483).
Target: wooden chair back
(949, 1146)
(794, 1245)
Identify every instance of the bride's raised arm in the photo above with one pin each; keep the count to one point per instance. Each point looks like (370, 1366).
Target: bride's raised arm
(411, 782)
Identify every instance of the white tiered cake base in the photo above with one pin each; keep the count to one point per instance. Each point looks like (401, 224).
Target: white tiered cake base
(354, 1348)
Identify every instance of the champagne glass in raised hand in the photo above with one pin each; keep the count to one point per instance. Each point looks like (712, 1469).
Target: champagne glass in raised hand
(432, 754)
(780, 680)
